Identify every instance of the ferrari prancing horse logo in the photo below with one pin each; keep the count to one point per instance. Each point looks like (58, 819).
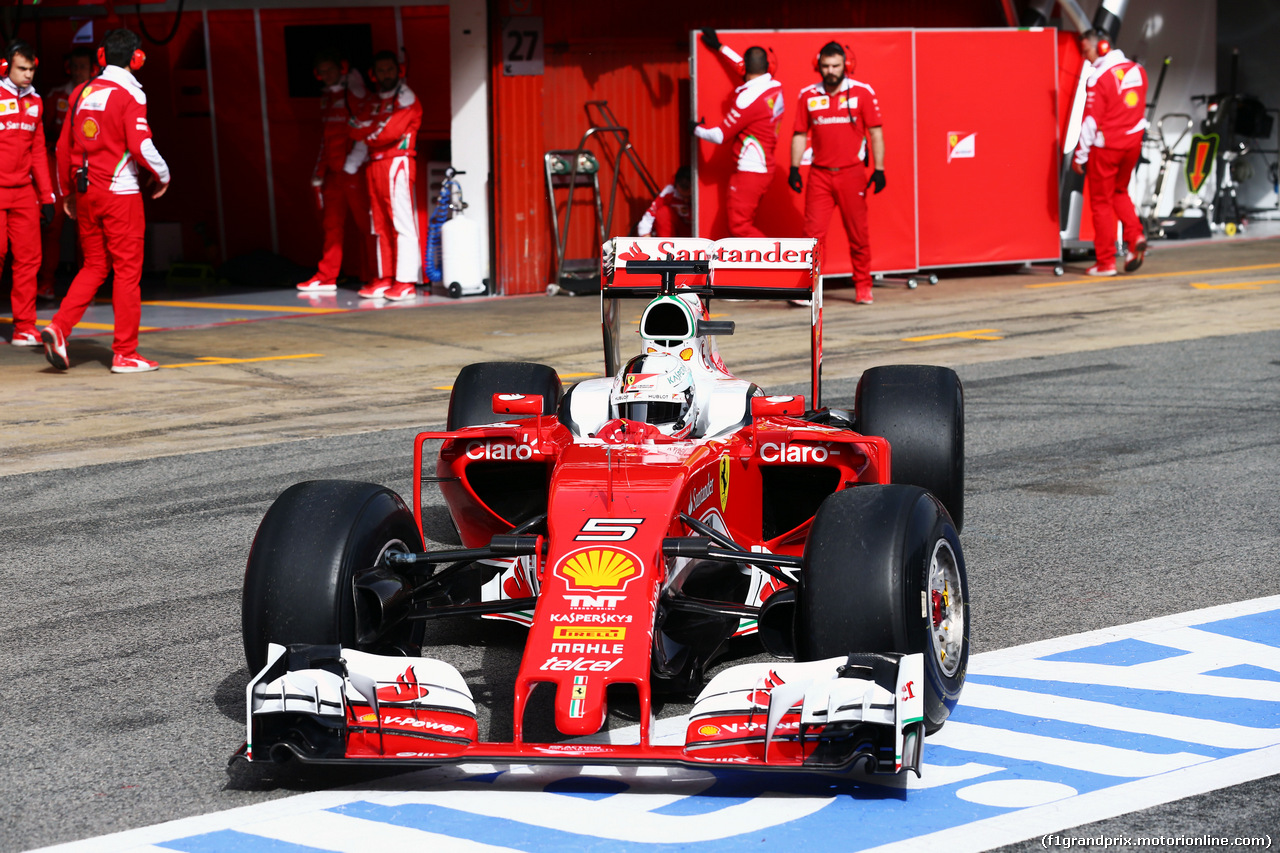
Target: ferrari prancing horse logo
(724, 482)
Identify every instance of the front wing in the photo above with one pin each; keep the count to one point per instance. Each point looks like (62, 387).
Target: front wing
(328, 704)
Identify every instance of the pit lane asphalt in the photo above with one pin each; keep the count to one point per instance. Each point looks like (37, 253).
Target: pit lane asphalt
(1106, 485)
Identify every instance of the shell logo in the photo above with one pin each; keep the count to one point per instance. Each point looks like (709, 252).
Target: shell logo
(709, 731)
(89, 128)
(599, 568)
(1131, 99)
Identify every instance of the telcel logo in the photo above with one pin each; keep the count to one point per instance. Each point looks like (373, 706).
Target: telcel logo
(503, 451)
(771, 452)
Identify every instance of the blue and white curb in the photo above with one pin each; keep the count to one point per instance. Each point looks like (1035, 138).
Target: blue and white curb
(1049, 736)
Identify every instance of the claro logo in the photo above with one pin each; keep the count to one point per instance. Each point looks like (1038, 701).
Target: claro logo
(503, 451)
(771, 452)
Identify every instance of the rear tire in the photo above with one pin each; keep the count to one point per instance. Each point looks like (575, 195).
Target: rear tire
(920, 410)
(471, 403)
(310, 544)
(883, 572)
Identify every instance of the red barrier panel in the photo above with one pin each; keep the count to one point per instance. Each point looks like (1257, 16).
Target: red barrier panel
(942, 206)
(986, 133)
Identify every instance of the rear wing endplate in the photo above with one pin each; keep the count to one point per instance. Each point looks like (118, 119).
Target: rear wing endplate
(734, 268)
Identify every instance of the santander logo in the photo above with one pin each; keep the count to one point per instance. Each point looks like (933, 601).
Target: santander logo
(633, 254)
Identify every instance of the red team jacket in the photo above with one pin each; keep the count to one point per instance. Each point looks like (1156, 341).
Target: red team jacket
(395, 117)
(668, 216)
(107, 124)
(1115, 109)
(339, 106)
(23, 156)
(837, 123)
(753, 119)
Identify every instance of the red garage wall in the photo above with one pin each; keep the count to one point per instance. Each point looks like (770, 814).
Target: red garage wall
(175, 79)
(636, 56)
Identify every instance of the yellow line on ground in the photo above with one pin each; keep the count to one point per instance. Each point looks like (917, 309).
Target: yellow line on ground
(562, 376)
(105, 327)
(229, 306)
(1098, 280)
(1234, 285)
(208, 360)
(972, 335)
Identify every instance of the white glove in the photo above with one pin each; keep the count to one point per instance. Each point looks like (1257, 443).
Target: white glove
(356, 157)
(317, 181)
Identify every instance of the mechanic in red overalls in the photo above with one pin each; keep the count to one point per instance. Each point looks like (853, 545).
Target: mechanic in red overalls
(753, 122)
(1115, 116)
(338, 178)
(24, 184)
(80, 66)
(390, 132)
(668, 216)
(104, 139)
(840, 114)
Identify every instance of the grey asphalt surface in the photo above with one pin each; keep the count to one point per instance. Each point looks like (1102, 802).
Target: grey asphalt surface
(1104, 487)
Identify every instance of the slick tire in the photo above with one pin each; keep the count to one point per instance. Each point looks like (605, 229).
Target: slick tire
(312, 541)
(920, 410)
(875, 557)
(471, 403)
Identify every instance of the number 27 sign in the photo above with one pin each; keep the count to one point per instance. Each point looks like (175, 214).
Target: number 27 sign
(522, 46)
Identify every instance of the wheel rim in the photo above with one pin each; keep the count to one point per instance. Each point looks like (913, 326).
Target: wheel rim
(945, 608)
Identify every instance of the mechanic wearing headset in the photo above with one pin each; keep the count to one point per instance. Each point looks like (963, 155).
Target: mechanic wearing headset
(80, 66)
(840, 113)
(103, 141)
(1110, 144)
(668, 216)
(25, 188)
(390, 130)
(753, 122)
(338, 189)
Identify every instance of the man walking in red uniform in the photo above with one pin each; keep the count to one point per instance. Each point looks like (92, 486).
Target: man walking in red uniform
(104, 139)
(1115, 115)
(23, 161)
(668, 215)
(338, 177)
(80, 66)
(840, 114)
(391, 135)
(753, 123)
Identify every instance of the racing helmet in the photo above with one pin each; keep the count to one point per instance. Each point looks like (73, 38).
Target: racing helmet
(657, 389)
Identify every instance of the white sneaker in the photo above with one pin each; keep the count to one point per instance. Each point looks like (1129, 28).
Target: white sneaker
(316, 285)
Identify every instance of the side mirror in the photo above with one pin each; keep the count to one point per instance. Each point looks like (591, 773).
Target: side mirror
(762, 407)
(517, 404)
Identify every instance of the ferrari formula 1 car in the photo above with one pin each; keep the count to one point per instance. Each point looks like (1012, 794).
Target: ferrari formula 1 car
(636, 524)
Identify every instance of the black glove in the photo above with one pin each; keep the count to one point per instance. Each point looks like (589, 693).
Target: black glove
(877, 178)
(46, 213)
(710, 39)
(793, 179)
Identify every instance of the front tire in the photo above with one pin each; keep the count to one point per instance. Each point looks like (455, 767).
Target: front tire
(883, 572)
(312, 541)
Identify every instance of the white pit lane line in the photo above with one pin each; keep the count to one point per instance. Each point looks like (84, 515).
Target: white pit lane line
(1048, 736)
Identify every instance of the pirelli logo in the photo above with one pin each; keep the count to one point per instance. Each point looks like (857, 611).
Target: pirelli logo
(573, 632)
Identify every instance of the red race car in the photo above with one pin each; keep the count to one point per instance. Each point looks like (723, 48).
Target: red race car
(635, 524)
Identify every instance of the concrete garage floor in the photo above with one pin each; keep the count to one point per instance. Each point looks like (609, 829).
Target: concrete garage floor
(264, 374)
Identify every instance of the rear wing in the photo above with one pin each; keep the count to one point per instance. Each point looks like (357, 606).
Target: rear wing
(734, 268)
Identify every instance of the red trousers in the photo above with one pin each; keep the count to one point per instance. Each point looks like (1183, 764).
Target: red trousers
(745, 191)
(343, 193)
(52, 248)
(112, 228)
(1109, 171)
(395, 217)
(847, 189)
(20, 229)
